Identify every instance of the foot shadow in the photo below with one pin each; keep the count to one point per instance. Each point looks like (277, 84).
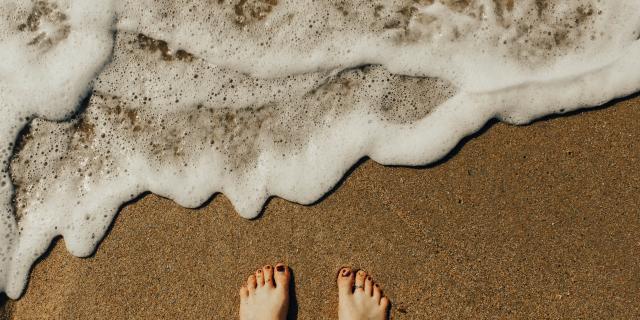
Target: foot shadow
(292, 313)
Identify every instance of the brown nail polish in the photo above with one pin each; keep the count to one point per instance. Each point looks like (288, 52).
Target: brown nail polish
(280, 268)
(268, 267)
(260, 271)
(346, 273)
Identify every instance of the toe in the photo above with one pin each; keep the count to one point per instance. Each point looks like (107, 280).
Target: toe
(281, 276)
(368, 286)
(244, 293)
(384, 303)
(267, 272)
(377, 293)
(259, 278)
(251, 283)
(345, 281)
(360, 279)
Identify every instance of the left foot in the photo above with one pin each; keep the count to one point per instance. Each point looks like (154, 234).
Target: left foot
(265, 296)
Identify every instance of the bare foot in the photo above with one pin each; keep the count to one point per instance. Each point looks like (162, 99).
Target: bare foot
(265, 296)
(359, 298)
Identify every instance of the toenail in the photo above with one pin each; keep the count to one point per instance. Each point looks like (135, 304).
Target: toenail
(368, 277)
(268, 267)
(280, 268)
(346, 272)
(259, 271)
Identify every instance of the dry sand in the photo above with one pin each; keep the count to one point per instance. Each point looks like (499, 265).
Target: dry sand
(541, 221)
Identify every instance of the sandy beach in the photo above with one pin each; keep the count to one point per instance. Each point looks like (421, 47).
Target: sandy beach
(540, 221)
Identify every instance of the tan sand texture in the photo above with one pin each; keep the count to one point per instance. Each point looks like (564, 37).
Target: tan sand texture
(535, 222)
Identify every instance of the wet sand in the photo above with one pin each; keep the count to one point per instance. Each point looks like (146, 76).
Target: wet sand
(541, 221)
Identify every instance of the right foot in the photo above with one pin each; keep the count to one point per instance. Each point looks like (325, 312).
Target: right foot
(265, 296)
(359, 297)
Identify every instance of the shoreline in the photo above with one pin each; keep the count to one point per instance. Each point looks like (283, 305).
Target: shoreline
(532, 221)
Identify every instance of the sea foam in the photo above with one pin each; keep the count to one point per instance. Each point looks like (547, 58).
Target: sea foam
(260, 98)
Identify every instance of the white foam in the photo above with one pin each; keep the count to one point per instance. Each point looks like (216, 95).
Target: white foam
(270, 98)
(49, 53)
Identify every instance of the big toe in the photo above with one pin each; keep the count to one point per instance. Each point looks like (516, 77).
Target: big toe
(345, 281)
(282, 276)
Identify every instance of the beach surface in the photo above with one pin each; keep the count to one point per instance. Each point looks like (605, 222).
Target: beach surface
(540, 221)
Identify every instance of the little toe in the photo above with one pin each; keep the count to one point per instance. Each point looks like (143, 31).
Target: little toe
(281, 276)
(267, 272)
(384, 303)
(345, 281)
(244, 293)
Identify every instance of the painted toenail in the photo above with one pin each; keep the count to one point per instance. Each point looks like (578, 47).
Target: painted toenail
(259, 271)
(369, 278)
(280, 268)
(346, 273)
(268, 267)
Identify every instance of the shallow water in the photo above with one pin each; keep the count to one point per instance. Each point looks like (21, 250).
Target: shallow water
(260, 98)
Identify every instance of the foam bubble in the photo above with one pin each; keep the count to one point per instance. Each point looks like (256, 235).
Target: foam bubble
(260, 98)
